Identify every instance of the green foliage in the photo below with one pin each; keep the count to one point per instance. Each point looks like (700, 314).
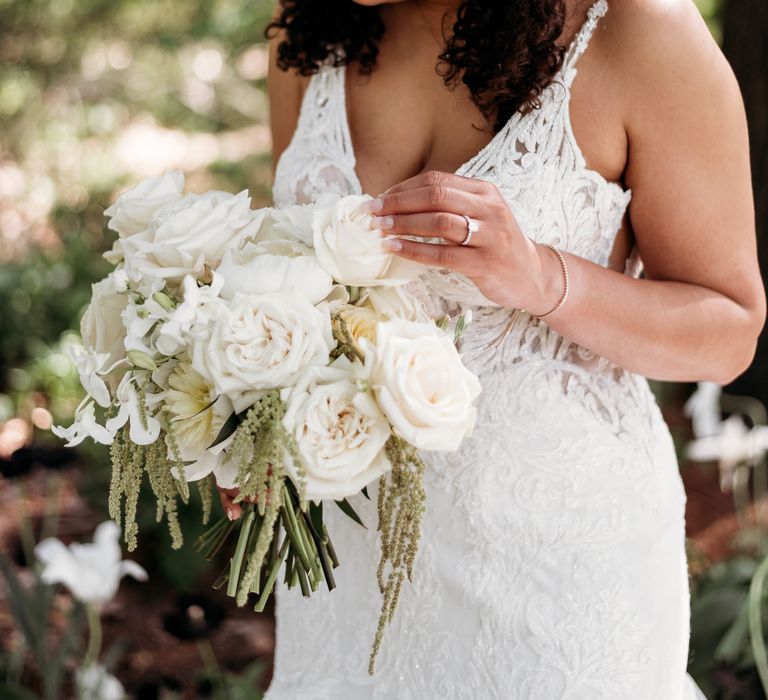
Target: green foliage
(31, 609)
(720, 629)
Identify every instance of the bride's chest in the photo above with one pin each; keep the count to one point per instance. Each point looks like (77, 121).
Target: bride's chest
(401, 127)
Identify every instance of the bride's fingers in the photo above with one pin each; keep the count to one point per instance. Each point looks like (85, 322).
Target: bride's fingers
(441, 224)
(438, 177)
(423, 199)
(226, 497)
(455, 257)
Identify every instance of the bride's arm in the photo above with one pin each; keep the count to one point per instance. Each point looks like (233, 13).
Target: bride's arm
(285, 90)
(700, 309)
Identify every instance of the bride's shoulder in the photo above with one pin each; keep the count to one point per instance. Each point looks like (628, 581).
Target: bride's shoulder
(662, 51)
(641, 34)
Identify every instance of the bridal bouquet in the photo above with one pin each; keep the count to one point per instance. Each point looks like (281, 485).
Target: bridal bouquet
(276, 351)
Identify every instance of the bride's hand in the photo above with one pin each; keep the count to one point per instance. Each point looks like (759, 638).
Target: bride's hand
(227, 498)
(507, 267)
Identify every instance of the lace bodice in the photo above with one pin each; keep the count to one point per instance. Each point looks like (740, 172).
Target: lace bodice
(552, 560)
(539, 168)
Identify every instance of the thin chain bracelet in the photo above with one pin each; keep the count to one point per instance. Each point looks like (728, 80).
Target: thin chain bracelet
(564, 268)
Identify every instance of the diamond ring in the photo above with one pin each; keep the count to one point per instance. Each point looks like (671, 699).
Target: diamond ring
(472, 226)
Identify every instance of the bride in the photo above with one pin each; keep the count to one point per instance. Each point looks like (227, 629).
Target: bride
(535, 155)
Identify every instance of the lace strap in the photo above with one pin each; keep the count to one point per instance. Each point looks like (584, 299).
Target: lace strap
(581, 40)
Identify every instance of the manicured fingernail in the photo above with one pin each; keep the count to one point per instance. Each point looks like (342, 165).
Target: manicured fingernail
(372, 206)
(392, 244)
(230, 514)
(383, 222)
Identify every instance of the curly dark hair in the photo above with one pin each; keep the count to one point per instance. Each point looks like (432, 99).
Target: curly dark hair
(504, 51)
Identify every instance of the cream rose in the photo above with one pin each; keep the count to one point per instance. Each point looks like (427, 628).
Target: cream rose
(262, 342)
(191, 235)
(101, 326)
(393, 302)
(339, 429)
(274, 266)
(351, 249)
(133, 209)
(359, 322)
(421, 384)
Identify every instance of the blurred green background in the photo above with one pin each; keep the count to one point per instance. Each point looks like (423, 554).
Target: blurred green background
(95, 94)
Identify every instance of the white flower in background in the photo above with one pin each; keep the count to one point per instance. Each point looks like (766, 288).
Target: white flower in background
(734, 444)
(89, 365)
(91, 572)
(143, 427)
(274, 266)
(197, 413)
(703, 407)
(339, 429)
(133, 209)
(199, 307)
(349, 247)
(192, 235)
(421, 384)
(101, 326)
(262, 342)
(94, 682)
(85, 426)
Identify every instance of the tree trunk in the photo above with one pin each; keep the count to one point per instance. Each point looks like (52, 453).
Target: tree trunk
(745, 44)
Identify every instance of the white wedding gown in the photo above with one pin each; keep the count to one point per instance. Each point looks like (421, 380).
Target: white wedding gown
(552, 564)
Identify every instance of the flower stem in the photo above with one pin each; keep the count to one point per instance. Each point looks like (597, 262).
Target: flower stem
(94, 635)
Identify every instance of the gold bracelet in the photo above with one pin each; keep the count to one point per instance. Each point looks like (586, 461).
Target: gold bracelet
(564, 268)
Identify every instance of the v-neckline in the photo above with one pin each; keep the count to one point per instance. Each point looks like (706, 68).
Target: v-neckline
(513, 119)
(350, 146)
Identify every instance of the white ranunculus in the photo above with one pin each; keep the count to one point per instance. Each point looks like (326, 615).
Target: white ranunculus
(101, 326)
(133, 209)
(274, 266)
(94, 682)
(262, 342)
(339, 429)
(421, 384)
(191, 236)
(91, 572)
(349, 247)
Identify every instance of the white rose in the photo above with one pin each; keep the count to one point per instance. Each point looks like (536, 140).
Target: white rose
(294, 222)
(133, 209)
(262, 342)
(421, 384)
(339, 430)
(349, 247)
(192, 234)
(393, 302)
(101, 326)
(274, 266)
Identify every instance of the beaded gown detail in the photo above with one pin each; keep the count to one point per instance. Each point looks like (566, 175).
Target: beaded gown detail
(552, 564)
